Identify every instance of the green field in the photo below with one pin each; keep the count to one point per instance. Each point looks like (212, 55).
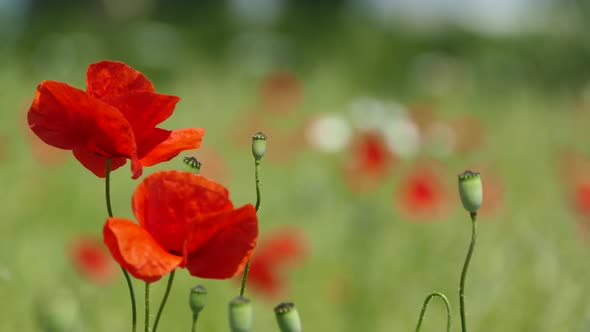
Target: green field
(369, 266)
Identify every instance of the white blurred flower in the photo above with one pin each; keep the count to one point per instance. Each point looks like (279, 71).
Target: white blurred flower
(367, 113)
(402, 136)
(329, 133)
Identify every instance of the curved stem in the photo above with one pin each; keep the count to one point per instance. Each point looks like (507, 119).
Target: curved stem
(147, 308)
(258, 199)
(465, 268)
(425, 305)
(194, 327)
(125, 273)
(257, 178)
(107, 187)
(164, 299)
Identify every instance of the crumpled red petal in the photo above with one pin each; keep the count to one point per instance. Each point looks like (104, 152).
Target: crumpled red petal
(67, 118)
(162, 145)
(144, 110)
(165, 200)
(114, 78)
(97, 164)
(219, 246)
(137, 251)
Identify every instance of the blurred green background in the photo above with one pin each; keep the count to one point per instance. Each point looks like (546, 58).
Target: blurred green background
(372, 108)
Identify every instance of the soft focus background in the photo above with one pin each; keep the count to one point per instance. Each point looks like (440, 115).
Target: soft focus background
(372, 108)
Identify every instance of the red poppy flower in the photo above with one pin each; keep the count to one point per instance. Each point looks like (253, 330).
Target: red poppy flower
(91, 259)
(116, 117)
(369, 162)
(422, 194)
(185, 220)
(280, 92)
(280, 250)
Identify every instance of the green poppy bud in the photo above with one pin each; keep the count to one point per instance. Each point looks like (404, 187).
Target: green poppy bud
(197, 299)
(192, 164)
(288, 317)
(258, 145)
(240, 314)
(470, 190)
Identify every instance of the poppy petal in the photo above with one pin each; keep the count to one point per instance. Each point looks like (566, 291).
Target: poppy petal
(137, 251)
(143, 110)
(165, 200)
(97, 164)
(67, 118)
(114, 78)
(219, 246)
(162, 145)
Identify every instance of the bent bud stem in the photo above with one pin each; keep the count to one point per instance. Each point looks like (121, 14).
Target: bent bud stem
(425, 306)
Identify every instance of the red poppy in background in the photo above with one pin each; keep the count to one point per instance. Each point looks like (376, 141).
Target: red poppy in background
(280, 92)
(369, 162)
(91, 259)
(116, 117)
(281, 250)
(185, 220)
(422, 194)
(574, 172)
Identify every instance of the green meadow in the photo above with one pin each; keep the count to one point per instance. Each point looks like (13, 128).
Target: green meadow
(368, 264)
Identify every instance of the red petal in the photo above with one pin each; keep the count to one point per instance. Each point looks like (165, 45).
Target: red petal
(162, 145)
(97, 164)
(137, 251)
(166, 201)
(219, 246)
(114, 78)
(67, 118)
(143, 110)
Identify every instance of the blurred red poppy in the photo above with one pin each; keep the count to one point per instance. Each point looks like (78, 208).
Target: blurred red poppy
(280, 92)
(280, 250)
(422, 194)
(185, 220)
(369, 162)
(91, 259)
(116, 117)
(574, 171)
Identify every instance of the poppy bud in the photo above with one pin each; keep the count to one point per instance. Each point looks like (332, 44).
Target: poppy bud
(470, 190)
(240, 314)
(288, 317)
(192, 164)
(258, 145)
(197, 299)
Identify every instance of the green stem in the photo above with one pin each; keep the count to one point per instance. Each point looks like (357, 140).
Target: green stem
(164, 299)
(464, 272)
(194, 327)
(425, 305)
(258, 199)
(147, 307)
(125, 273)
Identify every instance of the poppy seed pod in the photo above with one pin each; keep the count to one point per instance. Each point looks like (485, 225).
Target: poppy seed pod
(288, 317)
(192, 164)
(240, 314)
(197, 299)
(258, 145)
(470, 190)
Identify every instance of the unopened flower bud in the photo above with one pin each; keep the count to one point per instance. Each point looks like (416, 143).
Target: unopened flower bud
(240, 314)
(470, 190)
(197, 299)
(258, 145)
(192, 164)
(288, 317)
